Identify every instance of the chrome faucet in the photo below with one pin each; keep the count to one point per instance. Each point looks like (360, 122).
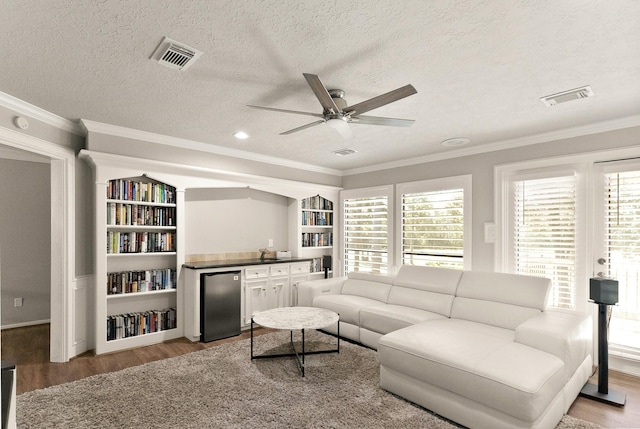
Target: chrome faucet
(262, 252)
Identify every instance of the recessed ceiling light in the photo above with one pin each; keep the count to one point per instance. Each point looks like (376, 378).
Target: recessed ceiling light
(456, 141)
(343, 152)
(241, 135)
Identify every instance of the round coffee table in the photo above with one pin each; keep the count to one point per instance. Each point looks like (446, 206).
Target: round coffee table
(294, 318)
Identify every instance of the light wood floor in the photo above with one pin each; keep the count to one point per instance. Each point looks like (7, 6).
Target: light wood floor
(29, 349)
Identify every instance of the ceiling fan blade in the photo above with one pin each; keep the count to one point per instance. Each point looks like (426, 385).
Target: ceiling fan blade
(297, 112)
(302, 127)
(381, 100)
(321, 93)
(377, 120)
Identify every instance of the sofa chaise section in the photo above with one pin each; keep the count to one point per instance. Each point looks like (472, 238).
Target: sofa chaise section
(486, 366)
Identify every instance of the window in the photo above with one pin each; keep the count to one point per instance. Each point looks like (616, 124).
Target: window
(366, 220)
(433, 230)
(543, 233)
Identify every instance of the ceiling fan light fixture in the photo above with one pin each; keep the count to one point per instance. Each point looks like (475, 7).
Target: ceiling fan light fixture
(340, 124)
(456, 141)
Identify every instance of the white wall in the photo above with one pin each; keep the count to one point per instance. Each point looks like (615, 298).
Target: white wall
(228, 220)
(25, 240)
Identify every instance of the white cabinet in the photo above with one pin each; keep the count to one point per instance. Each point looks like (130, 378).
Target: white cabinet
(267, 287)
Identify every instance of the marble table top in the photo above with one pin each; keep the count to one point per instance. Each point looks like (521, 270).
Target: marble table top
(296, 318)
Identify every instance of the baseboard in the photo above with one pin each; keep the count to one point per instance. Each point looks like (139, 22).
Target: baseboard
(23, 324)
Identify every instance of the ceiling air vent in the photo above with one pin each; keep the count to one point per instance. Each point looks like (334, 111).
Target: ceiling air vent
(175, 55)
(344, 152)
(564, 96)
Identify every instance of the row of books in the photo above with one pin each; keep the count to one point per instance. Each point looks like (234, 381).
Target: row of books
(317, 265)
(140, 242)
(134, 324)
(130, 190)
(132, 214)
(317, 218)
(317, 203)
(317, 239)
(140, 281)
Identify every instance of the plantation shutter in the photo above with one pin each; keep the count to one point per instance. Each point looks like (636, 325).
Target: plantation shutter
(366, 234)
(544, 234)
(433, 228)
(622, 254)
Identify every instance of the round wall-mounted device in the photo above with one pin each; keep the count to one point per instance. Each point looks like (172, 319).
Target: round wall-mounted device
(21, 122)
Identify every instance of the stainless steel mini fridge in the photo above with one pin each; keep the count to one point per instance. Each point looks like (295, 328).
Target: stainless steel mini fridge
(219, 305)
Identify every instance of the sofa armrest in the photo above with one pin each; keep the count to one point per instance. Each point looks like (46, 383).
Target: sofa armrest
(308, 290)
(569, 336)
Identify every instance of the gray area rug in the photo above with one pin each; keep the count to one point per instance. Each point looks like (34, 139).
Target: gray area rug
(222, 387)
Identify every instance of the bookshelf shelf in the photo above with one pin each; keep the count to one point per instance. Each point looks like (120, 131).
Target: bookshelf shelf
(140, 294)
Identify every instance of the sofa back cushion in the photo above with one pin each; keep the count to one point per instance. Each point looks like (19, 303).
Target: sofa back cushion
(372, 286)
(425, 288)
(499, 299)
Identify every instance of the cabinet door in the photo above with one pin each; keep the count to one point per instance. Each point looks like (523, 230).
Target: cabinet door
(294, 287)
(279, 292)
(256, 298)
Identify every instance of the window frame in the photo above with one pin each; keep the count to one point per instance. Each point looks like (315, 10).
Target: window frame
(372, 192)
(504, 252)
(463, 182)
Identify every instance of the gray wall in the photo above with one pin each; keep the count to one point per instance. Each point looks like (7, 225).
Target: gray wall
(229, 220)
(25, 240)
(481, 167)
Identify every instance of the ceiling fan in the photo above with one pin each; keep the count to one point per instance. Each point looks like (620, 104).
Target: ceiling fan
(337, 114)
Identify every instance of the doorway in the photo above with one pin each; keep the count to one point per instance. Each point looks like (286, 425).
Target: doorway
(62, 173)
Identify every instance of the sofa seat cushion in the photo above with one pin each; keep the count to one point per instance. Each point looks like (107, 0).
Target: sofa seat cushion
(385, 318)
(476, 361)
(347, 306)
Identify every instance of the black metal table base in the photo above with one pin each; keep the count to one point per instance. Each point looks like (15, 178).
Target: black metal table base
(300, 357)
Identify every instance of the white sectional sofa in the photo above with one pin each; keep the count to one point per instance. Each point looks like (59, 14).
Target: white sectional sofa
(478, 348)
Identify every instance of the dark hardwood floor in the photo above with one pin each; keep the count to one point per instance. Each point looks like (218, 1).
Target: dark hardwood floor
(29, 349)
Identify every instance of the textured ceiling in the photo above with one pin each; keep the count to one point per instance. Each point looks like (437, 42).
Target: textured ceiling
(479, 67)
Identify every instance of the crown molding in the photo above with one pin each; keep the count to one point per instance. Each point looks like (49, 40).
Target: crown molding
(566, 133)
(24, 108)
(116, 130)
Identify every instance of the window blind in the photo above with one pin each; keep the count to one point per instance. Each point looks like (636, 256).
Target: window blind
(544, 234)
(433, 228)
(366, 234)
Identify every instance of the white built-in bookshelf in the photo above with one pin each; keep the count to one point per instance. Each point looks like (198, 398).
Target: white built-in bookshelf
(136, 271)
(315, 231)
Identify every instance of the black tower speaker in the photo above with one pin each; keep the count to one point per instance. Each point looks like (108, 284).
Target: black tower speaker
(326, 263)
(603, 292)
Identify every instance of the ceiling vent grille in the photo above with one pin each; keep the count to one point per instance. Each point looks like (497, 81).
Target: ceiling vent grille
(564, 96)
(175, 55)
(344, 152)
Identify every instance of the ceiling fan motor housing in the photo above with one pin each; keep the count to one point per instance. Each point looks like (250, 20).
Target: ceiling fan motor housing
(338, 97)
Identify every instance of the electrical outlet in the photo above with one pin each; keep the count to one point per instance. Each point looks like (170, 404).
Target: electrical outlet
(270, 242)
(17, 302)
